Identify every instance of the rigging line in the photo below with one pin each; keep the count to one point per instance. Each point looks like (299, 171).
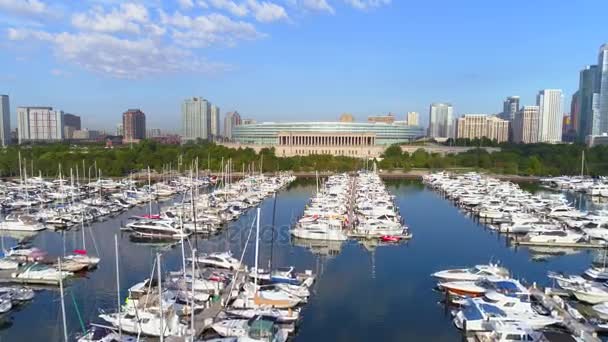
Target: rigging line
(240, 261)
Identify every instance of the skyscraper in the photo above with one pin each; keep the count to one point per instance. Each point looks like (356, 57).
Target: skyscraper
(588, 121)
(134, 126)
(575, 111)
(550, 120)
(525, 125)
(412, 119)
(5, 125)
(196, 119)
(510, 106)
(440, 120)
(215, 121)
(232, 119)
(71, 123)
(602, 88)
(39, 124)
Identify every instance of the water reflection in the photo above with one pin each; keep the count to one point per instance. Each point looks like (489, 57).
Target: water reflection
(366, 290)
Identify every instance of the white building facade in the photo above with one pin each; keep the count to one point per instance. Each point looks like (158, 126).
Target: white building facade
(196, 119)
(413, 119)
(525, 125)
(215, 121)
(440, 120)
(39, 124)
(550, 120)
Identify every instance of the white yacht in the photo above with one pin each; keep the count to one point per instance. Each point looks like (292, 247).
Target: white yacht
(21, 223)
(471, 274)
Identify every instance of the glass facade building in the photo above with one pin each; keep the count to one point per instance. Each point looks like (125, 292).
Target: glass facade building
(267, 133)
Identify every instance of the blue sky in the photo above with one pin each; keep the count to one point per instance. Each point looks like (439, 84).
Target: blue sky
(291, 59)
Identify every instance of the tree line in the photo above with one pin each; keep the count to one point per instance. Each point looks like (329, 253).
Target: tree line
(531, 159)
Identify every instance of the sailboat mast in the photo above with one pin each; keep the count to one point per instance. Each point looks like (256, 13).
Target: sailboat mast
(118, 286)
(193, 330)
(582, 163)
(257, 248)
(160, 299)
(150, 193)
(65, 325)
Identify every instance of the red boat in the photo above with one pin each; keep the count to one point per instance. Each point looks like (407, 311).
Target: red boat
(390, 238)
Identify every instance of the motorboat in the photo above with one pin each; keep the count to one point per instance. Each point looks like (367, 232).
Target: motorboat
(219, 260)
(597, 273)
(102, 334)
(279, 315)
(146, 323)
(257, 330)
(21, 223)
(481, 286)
(35, 272)
(471, 274)
(590, 292)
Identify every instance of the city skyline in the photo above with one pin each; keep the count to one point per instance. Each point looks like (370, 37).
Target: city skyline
(394, 69)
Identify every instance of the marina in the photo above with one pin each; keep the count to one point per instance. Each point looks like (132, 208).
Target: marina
(368, 264)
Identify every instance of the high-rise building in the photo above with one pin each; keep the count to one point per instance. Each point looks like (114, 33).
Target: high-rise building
(196, 119)
(134, 126)
(602, 88)
(120, 130)
(215, 121)
(588, 121)
(413, 119)
(575, 111)
(39, 124)
(550, 102)
(5, 116)
(472, 126)
(71, 123)
(510, 106)
(347, 118)
(231, 120)
(525, 125)
(389, 118)
(440, 120)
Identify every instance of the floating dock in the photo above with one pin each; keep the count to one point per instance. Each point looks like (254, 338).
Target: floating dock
(588, 245)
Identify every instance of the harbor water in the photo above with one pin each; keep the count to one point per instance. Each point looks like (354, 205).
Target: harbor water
(365, 291)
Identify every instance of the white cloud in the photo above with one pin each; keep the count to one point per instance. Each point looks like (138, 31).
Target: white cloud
(365, 4)
(318, 5)
(127, 18)
(239, 10)
(206, 30)
(185, 4)
(24, 7)
(265, 11)
(120, 58)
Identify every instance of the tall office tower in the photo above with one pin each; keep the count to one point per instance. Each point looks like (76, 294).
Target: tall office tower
(196, 119)
(510, 106)
(525, 125)
(551, 114)
(215, 121)
(71, 123)
(39, 124)
(588, 122)
(134, 126)
(440, 120)
(231, 120)
(471, 126)
(575, 111)
(120, 131)
(602, 88)
(5, 125)
(413, 119)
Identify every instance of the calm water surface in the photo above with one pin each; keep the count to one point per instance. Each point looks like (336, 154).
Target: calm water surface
(364, 292)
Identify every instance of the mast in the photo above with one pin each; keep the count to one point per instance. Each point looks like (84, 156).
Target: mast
(193, 330)
(65, 325)
(118, 286)
(582, 163)
(150, 193)
(160, 299)
(257, 249)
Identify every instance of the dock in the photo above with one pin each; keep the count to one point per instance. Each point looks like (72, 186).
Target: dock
(583, 245)
(585, 331)
(205, 318)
